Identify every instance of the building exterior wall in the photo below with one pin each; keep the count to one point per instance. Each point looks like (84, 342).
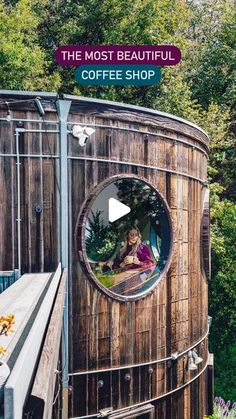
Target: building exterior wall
(109, 337)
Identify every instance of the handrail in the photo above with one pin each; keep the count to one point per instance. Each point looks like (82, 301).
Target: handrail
(7, 278)
(153, 399)
(156, 361)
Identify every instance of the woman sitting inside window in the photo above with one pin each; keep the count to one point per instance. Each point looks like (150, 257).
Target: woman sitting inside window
(134, 254)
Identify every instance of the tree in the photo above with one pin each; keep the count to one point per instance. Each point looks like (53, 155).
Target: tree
(22, 60)
(211, 62)
(100, 240)
(107, 22)
(222, 292)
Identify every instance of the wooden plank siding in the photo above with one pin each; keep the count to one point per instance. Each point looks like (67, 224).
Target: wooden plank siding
(103, 331)
(169, 319)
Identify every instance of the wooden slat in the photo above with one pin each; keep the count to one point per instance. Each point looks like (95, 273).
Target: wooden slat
(105, 332)
(122, 333)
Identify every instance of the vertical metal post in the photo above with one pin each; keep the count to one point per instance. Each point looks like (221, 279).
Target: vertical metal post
(63, 107)
(210, 384)
(18, 219)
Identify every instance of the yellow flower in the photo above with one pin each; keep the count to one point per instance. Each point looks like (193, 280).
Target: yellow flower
(6, 323)
(2, 350)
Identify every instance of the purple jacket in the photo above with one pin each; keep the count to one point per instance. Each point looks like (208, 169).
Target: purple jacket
(143, 255)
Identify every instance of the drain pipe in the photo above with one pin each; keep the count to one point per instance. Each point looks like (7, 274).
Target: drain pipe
(63, 107)
(18, 219)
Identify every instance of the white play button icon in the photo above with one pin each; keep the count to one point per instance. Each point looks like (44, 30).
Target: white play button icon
(117, 210)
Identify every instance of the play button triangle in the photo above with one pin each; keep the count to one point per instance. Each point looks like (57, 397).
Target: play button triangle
(117, 210)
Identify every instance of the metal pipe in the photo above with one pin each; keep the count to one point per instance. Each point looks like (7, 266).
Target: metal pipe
(42, 130)
(154, 134)
(110, 161)
(46, 156)
(20, 93)
(127, 163)
(98, 415)
(38, 130)
(63, 107)
(18, 219)
(49, 131)
(156, 361)
(31, 120)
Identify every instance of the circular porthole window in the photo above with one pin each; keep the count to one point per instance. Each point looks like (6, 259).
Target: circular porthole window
(125, 236)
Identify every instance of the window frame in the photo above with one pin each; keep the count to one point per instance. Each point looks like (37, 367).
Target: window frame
(80, 237)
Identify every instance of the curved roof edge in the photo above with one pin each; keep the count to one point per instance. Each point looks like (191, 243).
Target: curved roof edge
(134, 107)
(54, 95)
(50, 95)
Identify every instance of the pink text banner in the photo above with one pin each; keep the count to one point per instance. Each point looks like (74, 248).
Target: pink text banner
(159, 55)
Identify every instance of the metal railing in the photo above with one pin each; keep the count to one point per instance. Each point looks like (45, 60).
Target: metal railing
(7, 278)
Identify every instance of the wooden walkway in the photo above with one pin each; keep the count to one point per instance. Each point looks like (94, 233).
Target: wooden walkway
(37, 302)
(21, 299)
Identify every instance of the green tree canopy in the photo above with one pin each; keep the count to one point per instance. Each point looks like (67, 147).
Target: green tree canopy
(22, 60)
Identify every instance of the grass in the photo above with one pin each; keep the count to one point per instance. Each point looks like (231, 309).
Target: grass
(106, 279)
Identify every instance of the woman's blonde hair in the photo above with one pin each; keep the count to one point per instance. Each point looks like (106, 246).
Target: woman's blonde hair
(135, 247)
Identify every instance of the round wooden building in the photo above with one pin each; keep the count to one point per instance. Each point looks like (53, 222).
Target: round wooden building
(118, 194)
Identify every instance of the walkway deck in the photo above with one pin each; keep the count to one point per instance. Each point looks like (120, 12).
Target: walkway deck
(36, 337)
